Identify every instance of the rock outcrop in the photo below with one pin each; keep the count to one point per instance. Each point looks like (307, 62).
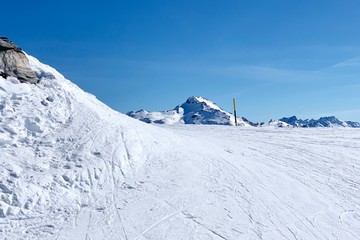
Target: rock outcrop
(14, 63)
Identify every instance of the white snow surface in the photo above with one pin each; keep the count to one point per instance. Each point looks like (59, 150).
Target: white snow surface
(72, 168)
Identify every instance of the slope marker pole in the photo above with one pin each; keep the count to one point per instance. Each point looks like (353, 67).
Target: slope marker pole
(234, 103)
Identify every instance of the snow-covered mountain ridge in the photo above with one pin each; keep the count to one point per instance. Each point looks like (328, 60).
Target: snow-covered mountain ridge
(199, 110)
(196, 110)
(72, 168)
(321, 122)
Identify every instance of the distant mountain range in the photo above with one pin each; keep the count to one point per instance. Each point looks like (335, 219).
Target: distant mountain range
(199, 110)
(310, 123)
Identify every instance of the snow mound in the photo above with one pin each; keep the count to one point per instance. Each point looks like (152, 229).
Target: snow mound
(56, 152)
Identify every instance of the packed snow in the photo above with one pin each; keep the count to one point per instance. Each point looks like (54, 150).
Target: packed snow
(72, 168)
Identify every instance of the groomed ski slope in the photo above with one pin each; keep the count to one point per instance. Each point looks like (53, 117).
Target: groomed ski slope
(83, 171)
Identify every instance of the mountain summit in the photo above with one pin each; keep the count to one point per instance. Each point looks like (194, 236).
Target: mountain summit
(195, 110)
(199, 110)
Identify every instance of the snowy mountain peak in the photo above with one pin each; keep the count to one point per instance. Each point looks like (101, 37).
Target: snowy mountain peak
(195, 110)
(201, 103)
(199, 110)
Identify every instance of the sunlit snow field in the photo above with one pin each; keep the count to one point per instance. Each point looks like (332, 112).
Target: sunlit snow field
(206, 182)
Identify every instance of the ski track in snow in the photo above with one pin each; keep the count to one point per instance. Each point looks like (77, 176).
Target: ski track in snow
(230, 183)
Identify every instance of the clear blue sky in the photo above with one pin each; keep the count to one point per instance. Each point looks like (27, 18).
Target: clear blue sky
(277, 57)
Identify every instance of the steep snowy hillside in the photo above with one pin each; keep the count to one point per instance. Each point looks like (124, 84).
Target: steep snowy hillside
(62, 153)
(72, 168)
(196, 110)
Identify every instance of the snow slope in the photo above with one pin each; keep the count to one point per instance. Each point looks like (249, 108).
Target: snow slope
(72, 168)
